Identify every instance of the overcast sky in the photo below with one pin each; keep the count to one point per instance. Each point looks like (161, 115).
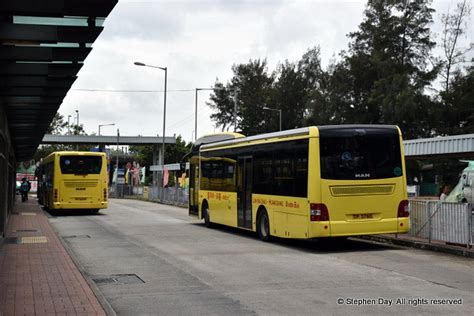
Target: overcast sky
(198, 41)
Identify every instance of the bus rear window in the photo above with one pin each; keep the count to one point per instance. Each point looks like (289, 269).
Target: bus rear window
(80, 164)
(369, 156)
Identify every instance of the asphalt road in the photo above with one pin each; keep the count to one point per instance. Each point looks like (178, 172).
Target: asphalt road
(153, 259)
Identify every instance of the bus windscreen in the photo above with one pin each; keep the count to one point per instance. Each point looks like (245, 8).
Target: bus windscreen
(80, 164)
(360, 157)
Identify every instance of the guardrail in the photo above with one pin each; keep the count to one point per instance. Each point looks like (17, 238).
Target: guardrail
(430, 220)
(173, 196)
(442, 221)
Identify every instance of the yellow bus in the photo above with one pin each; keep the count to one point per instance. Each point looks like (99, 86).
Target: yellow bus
(324, 181)
(73, 180)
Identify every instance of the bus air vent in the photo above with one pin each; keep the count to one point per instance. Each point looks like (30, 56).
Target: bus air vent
(81, 184)
(385, 189)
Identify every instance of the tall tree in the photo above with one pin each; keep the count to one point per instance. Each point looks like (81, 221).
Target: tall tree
(57, 125)
(388, 65)
(251, 84)
(454, 27)
(222, 100)
(458, 115)
(289, 96)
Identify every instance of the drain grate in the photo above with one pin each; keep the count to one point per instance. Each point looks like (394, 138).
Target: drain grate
(118, 279)
(26, 231)
(77, 236)
(11, 240)
(34, 240)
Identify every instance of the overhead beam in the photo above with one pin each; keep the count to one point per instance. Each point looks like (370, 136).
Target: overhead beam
(58, 8)
(48, 54)
(59, 70)
(36, 81)
(13, 33)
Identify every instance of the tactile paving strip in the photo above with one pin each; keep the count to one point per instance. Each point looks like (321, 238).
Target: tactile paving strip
(34, 240)
(28, 214)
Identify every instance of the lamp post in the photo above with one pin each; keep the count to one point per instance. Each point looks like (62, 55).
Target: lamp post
(165, 69)
(269, 109)
(77, 117)
(110, 124)
(77, 127)
(196, 108)
(69, 125)
(117, 164)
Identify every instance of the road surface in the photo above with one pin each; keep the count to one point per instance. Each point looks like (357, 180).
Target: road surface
(154, 259)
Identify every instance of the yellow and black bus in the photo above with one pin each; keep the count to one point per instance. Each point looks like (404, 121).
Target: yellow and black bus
(73, 180)
(324, 181)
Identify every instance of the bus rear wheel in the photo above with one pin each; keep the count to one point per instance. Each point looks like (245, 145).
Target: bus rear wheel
(263, 227)
(205, 214)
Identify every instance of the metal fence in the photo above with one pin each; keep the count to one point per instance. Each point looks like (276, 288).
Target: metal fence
(442, 221)
(430, 220)
(173, 196)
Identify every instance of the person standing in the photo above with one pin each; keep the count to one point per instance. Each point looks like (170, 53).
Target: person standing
(444, 193)
(25, 187)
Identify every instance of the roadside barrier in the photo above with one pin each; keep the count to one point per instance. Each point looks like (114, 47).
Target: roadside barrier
(441, 221)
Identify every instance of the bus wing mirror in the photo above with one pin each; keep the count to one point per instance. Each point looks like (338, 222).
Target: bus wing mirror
(182, 167)
(465, 180)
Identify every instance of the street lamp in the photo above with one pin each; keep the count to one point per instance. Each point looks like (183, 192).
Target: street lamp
(137, 63)
(269, 109)
(77, 128)
(110, 124)
(196, 108)
(68, 125)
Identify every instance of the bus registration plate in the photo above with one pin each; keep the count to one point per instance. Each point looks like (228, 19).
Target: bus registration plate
(81, 198)
(362, 216)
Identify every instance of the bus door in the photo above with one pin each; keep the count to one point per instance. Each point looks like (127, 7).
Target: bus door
(244, 192)
(193, 189)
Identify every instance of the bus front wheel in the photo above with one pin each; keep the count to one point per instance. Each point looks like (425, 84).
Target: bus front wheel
(263, 227)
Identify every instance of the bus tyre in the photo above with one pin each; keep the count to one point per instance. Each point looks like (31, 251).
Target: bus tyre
(205, 214)
(263, 227)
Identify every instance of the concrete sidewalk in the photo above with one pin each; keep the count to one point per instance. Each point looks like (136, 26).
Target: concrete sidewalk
(413, 242)
(37, 276)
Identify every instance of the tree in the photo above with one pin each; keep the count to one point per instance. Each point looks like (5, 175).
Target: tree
(175, 152)
(288, 95)
(57, 125)
(252, 86)
(388, 66)
(454, 26)
(222, 100)
(457, 115)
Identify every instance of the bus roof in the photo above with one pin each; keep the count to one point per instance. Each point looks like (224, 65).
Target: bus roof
(71, 153)
(218, 137)
(311, 131)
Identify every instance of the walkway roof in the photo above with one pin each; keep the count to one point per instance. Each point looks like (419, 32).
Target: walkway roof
(449, 146)
(43, 45)
(106, 140)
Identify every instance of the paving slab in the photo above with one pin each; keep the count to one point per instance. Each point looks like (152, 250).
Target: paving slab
(37, 275)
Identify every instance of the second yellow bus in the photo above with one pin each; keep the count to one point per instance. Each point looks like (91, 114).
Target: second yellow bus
(325, 181)
(73, 180)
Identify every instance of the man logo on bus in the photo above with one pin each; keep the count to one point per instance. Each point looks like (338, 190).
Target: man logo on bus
(362, 175)
(346, 156)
